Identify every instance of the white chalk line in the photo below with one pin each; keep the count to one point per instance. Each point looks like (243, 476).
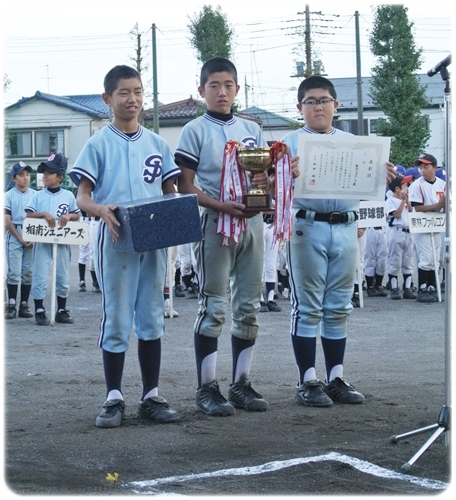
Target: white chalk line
(361, 465)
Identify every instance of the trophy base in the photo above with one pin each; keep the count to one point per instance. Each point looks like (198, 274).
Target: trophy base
(256, 203)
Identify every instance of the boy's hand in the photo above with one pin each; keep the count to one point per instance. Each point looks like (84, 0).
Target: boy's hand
(236, 209)
(64, 219)
(106, 212)
(390, 172)
(49, 219)
(260, 181)
(295, 167)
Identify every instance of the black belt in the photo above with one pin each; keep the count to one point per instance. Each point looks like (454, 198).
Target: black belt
(96, 217)
(377, 228)
(331, 218)
(403, 229)
(17, 225)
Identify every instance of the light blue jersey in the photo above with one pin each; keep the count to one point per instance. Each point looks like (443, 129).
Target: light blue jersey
(202, 142)
(123, 169)
(57, 204)
(18, 257)
(201, 148)
(322, 259)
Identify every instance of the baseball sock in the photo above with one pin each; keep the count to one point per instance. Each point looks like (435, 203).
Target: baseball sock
(25, 293)
(393, 281)
(12, 293)
(242, 350)
(270, 286)
(206, 358)
(378, 280)
(369, 281)
(422, 279)
(304, 350)
(334, 351)
(38, 305)
(94, 277)
(113, 364)
(149, 356)
(82, 270)
(61, 303)
(407, 280)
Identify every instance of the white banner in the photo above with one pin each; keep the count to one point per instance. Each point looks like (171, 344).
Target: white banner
(371, 214)
(74, 232)
(427, 222)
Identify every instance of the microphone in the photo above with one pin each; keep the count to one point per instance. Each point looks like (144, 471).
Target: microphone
(442, 64)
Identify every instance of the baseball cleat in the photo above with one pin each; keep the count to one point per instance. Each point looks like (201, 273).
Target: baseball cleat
(341, 391)
(311, 393)
(242, 395)
(210, 401)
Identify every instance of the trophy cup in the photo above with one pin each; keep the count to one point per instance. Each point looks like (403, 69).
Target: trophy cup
(256, 160)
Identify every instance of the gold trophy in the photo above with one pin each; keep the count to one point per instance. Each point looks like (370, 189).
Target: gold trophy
(256, 160)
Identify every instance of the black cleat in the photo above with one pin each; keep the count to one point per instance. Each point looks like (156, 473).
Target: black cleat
(156, 408)
(63, 316)
(342, 392)
(210, 401)
(24, 311)
(42, 319)
(112, 413)
(312, 393)
(10, 311)
(242, 395)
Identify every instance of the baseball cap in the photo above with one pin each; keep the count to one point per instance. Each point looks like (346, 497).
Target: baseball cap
(399, 180)
(19, 167)
(56, 163)
(400, 170)
(414, 172)
(429, 159)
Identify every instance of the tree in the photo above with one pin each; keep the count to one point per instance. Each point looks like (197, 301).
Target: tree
(211, 34)
(395, 88)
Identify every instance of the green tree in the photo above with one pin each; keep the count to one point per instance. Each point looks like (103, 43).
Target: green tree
(395, 87)
(211, 34)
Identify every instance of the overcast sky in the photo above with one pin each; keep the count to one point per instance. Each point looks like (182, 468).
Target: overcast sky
(65, 47)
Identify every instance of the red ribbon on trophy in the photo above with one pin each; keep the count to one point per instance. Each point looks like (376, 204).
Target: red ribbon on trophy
(233, 185)
(283, 193)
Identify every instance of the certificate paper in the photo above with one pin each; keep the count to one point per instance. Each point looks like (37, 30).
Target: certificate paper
(344, 167)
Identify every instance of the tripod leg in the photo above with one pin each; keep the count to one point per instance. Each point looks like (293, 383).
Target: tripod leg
(395, 439)
(437, 433)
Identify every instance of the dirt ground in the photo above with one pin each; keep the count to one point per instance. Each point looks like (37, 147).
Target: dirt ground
(54, 389)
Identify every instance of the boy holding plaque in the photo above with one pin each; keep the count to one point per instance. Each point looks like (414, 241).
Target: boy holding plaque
(322, 262)
(223, 258)
(124, 162)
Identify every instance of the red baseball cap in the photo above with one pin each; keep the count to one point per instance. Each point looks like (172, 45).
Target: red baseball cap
(429, 159)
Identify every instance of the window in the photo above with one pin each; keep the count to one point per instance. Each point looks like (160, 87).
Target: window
(18, 144)
(350, 126)
(34, 143)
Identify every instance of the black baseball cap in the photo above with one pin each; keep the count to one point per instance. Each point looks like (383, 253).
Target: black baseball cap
(399, 180)
(19, 167)
(429, 159)
(56, 163)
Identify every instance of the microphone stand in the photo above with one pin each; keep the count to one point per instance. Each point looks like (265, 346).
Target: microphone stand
(443, 422)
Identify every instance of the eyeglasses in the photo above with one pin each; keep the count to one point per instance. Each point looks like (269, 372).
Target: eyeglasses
(313, 102)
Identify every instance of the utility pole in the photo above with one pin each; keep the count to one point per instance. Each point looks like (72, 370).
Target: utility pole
(308, 44)
(139, 70)
(247, 88)
(358, 78)
(154, 78)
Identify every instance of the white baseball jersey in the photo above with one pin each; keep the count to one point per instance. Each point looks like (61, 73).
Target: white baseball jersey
(422, 191)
